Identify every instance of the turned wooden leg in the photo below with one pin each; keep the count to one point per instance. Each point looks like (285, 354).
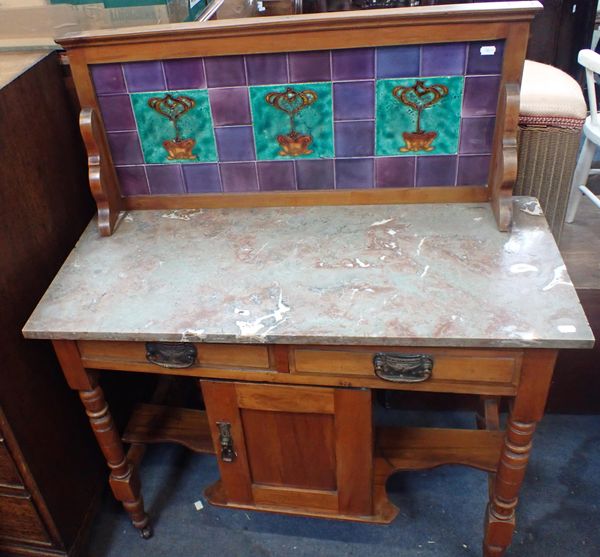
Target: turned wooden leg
(526, 410)
(124, 480)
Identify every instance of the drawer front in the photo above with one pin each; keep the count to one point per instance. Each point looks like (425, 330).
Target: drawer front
(450, 366)
(131, 356)
(20, 520)
(9, 476)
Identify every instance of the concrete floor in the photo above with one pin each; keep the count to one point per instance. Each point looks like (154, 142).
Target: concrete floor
(441, 510)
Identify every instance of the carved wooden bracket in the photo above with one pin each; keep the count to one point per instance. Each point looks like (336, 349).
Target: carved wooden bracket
(503, 171)
(102, 176)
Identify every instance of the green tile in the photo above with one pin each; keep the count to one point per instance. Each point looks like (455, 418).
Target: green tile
(272, 125)
(195, 125)
(393, 118)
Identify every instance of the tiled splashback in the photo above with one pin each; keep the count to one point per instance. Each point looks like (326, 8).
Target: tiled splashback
(407, 116)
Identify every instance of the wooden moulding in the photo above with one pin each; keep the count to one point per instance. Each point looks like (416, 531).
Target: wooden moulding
(399, 26)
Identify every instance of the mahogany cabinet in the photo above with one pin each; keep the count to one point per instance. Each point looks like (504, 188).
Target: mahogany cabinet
(50, 468)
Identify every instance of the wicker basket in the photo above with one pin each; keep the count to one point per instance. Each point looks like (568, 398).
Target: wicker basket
(547, 158)
(551, 118)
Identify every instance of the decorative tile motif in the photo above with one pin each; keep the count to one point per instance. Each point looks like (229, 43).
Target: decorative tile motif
(397, 116)
(291, 122)
(421, 116)
(175, 126)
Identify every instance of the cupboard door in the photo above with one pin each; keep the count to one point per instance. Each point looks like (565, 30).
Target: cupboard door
(305, 449)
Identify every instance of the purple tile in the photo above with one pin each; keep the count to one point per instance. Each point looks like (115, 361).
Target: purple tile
(201, 178)
(479, 63)
(436, 171)
(443, 59)
(132, 180)
(125, 148)
(144, 76)
(187, 73)
(315, 174)
(354, 173)
(398, 61)
(354, 100)
(355, 139)
(235, 144)
(267, 69)
(276, 176)
(476, 135)
(108, 78)
(225, 71)
(395, 172)
(230, 106)
(165, 179)
(117, 114)
(353, 63)
(473, 170)
(310, 66)
(481, 95)
(239, 177)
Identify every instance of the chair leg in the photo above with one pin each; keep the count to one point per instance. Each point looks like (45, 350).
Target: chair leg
(580, 177)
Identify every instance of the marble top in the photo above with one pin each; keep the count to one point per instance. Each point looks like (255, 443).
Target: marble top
(424, 274)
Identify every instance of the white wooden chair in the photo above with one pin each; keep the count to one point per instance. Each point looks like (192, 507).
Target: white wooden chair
(590, 60)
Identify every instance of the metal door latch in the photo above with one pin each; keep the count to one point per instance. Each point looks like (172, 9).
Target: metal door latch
(226, 442)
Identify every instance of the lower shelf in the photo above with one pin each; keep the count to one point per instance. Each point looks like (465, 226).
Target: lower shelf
(418, 448)
(396, 449)
(154, 423)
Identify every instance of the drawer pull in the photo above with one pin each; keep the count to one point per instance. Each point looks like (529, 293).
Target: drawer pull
(226, 442)
(403, 368)
(175, 355)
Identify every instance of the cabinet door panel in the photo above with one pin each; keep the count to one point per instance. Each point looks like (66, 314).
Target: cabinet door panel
(296, 448)
(291, 449)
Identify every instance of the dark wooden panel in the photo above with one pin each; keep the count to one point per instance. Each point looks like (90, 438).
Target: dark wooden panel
(290, 449)
(20, 520)
(9, 476)
(44, 206)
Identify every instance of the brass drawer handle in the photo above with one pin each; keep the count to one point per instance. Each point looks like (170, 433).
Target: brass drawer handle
(403, 368)
(176, 355)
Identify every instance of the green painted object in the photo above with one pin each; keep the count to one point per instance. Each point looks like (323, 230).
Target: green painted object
(293, 121)
(418, 116)
(189, 126)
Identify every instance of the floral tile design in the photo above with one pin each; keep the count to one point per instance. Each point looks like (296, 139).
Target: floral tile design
(422, 117)
(384, 117)
(292, 121)
(178, 117)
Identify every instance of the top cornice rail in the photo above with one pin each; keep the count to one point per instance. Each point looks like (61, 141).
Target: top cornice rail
(427, 15)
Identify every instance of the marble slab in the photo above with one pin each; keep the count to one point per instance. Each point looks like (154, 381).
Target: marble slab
(423, 275)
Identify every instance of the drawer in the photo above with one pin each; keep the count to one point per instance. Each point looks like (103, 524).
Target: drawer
(9, 476)
(451, 367)
(131, 356)
(20, 520)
